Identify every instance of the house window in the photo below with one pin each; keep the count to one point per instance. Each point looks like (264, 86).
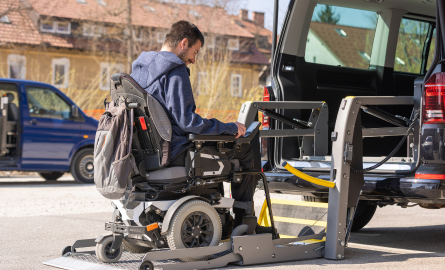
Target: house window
(236, 81)
(201, 86)
(106, 70)
(211, 42)
(233, 44)
(5, 19)
(160, 37)
(60, 76)
(16, 66)
(55, 27)
(92, 30)
(63, 27)
(48, 26)
(149, 8)
(101, 3)
(137, 34)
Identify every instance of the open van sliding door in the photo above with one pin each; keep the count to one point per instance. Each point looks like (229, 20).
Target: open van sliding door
(331, 61)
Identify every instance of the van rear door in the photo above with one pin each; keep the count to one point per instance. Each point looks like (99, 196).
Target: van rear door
(333, 57)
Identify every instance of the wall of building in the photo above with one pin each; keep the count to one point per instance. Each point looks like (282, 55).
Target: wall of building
(84, 87)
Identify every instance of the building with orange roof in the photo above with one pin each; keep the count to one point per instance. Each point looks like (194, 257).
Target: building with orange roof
(78, 44)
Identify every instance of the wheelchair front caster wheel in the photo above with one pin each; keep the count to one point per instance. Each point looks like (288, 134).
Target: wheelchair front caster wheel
(146, 265)
(66, 250)
(103, 250)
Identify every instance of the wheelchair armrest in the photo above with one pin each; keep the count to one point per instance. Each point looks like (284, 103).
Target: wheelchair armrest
(211, 138)
(251, 131)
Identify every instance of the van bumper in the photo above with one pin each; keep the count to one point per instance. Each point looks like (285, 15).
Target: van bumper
(389, 190)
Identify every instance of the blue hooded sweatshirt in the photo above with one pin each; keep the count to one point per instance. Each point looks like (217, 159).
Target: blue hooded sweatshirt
(164, 76)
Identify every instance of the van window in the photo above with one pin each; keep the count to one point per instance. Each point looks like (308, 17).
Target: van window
(432, 49)
(341, 37)
(9, 89)
(410, 46)
(45, 103)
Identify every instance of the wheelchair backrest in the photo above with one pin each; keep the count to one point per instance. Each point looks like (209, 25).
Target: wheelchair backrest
(152, 128)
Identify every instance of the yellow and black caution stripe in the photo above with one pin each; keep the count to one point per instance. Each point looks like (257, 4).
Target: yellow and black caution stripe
(296, 218)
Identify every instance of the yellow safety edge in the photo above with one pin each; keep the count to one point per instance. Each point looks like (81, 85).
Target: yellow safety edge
(308, 178)
(348, 97)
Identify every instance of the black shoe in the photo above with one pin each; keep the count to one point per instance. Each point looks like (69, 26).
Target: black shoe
(261, 229)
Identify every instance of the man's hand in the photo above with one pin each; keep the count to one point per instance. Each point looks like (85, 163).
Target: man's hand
(241, 129)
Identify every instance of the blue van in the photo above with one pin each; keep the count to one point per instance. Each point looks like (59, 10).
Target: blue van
(43, 131)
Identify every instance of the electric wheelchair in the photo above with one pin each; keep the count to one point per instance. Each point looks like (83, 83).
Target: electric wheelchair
(172, 207)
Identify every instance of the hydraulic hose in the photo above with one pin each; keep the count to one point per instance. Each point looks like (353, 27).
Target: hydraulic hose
(375, 166)
(308, 178)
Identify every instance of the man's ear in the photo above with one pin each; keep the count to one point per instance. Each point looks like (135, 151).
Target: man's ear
(184, 43)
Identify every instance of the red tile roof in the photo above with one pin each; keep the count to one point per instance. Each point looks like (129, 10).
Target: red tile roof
(208, 19)
(254, 28)
(21, 30)
(252, 57)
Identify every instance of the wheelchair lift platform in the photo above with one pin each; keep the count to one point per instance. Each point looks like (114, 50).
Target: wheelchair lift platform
(344, 191)
(240, 252)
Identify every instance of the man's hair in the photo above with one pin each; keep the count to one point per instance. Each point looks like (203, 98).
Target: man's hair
(183, 29)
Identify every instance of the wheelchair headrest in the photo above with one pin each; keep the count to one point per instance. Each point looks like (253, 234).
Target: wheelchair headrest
(10, 97)
(125, 87)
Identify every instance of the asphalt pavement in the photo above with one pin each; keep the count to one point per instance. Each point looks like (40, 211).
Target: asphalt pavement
(39, 218)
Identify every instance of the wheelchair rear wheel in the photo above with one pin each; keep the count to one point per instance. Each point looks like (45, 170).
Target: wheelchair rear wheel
(195, 224)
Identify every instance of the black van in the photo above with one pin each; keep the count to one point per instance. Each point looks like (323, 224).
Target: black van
(341, 48)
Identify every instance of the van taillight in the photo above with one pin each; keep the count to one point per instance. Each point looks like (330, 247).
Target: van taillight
(430, 176)
(266, 97)
(433, 99)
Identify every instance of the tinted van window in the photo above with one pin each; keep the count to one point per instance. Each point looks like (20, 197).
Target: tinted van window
(341, 37)
(410, 46)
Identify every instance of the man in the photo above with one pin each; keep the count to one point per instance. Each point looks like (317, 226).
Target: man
(165, 76)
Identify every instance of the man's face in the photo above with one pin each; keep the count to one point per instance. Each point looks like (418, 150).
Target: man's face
(188, 54)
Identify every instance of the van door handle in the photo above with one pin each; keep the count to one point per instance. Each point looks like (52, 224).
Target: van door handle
(33, 121)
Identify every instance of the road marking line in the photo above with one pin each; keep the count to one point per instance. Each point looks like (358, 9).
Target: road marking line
(300, 221)
(299, 203)
(394, 250)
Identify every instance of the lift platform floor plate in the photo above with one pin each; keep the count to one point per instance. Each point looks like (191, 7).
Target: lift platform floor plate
(128, 261)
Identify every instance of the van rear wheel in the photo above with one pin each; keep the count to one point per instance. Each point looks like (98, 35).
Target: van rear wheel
(82, 166)
(51, 176)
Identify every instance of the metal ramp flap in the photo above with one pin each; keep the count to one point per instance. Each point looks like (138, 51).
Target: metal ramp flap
(128, 261)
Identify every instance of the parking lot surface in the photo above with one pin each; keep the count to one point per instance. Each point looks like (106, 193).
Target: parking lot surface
(39, 218)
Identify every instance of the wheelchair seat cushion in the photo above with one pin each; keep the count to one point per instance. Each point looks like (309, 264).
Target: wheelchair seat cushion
(170, 175)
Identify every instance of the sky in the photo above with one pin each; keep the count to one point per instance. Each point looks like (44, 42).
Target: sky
(348, 17)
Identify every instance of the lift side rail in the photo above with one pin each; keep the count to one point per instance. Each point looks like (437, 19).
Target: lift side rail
(186, 252)
(340, 196)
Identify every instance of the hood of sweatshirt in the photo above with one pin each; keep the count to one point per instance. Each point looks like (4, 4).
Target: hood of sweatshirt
(150, 66)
